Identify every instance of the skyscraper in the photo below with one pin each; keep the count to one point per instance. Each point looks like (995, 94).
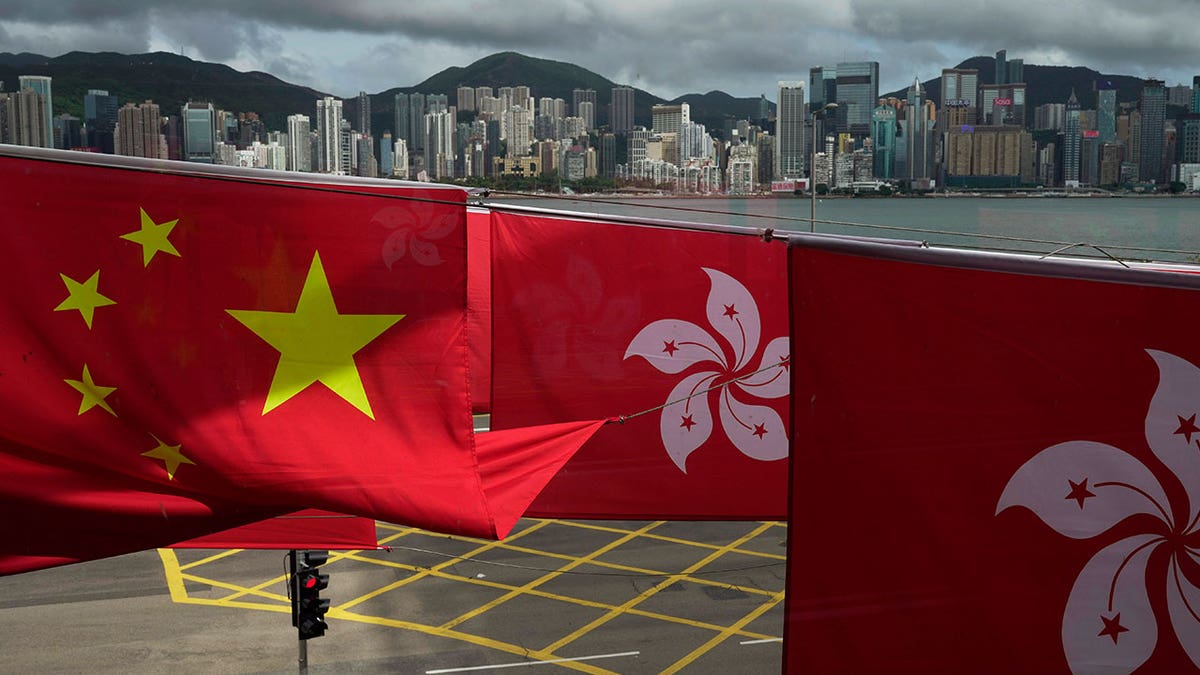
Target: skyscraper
(364, 113)
(621, 117)
(579, 96)
(1106, 111)
(1072, 143)
(668, 118)
(41, 85)
(464, 99)
(329, 136)
(1001, 75)
(400, 119)
(1154, 111)
(791, 139)
(822, 86)
(299, 147)
(916, 134)
(416, 120)
(857, 94)
(960, 97)
(883, 141)
(199, 124)
(100, 119)
(139, 133)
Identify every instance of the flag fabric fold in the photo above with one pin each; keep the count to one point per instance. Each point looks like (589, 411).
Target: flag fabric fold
(996, 466)
(307, 529)
(237, 340)
(602, 319)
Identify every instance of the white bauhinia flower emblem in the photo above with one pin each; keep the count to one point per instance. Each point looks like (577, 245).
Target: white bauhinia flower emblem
(1082, 489)
(673, 346)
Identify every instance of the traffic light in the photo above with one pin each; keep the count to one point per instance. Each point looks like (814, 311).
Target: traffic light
(305, 586)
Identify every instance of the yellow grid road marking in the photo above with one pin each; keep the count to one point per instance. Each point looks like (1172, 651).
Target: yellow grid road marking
(575, 562)
(177, 573)
(650, 592)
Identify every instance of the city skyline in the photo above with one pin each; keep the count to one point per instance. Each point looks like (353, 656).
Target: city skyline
(347, 48)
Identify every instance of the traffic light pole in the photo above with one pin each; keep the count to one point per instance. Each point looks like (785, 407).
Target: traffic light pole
(294, 594)
(305, 583)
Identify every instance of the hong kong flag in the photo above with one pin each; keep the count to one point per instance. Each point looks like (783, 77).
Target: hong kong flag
(681, 334)
(996, 465)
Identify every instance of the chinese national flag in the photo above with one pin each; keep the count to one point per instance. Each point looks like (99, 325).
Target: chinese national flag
(310, 528)
(598, 319)
(206, 343)
(996, 465)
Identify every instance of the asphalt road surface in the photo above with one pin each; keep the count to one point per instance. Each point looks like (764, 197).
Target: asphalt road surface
(556, 596)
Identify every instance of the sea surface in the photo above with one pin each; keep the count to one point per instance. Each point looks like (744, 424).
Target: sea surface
(1130, 228)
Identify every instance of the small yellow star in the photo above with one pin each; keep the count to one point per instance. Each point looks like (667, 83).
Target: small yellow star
(93, 394)
(153, 238)
(316, 343)
(170, 455)
(84, 297)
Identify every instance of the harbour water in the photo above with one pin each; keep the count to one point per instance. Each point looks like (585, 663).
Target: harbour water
(1131, 228)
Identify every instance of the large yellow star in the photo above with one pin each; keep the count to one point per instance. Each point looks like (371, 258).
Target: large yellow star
(93, 394)
(153, 237)
(315, 343)
(84, 297)
(170, 455)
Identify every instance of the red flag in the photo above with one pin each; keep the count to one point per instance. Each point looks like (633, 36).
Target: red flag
(688, 327)
(234, 338)
(306, 529)
(479, 307)
(996, 466)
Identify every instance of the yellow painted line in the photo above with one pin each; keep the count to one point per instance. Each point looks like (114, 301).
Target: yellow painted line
(209, 559)
(650, 592)
(574, 562)
(721, 637)
(425, 572)
(641, 571)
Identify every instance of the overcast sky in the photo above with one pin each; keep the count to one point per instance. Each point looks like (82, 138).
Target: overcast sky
(666, 47)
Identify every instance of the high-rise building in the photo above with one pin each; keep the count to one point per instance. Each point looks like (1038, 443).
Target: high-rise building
(791, 136)
(579, 96)
(464, 99)
(100, 119)
(822, 87)
(199, 136)
(1154, 110)
(916, 134)
(667, 118)
(416, 118)
(41, 85)
(960, 97)
(482, 93)
(400, 119)
(139, 131)
(439, 145)
(621, 116)
(364, 113)
(1189, 131)
(299, 145)
(329, 136)
(436, 103)
(1049, 116)
(1002, 104)
(1072, 143)
(883, 141)
(1106, 111)
(519, 131)
(22, 118)
(1001, 75)
(857, 94)
(68, 132)
(587, 112)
